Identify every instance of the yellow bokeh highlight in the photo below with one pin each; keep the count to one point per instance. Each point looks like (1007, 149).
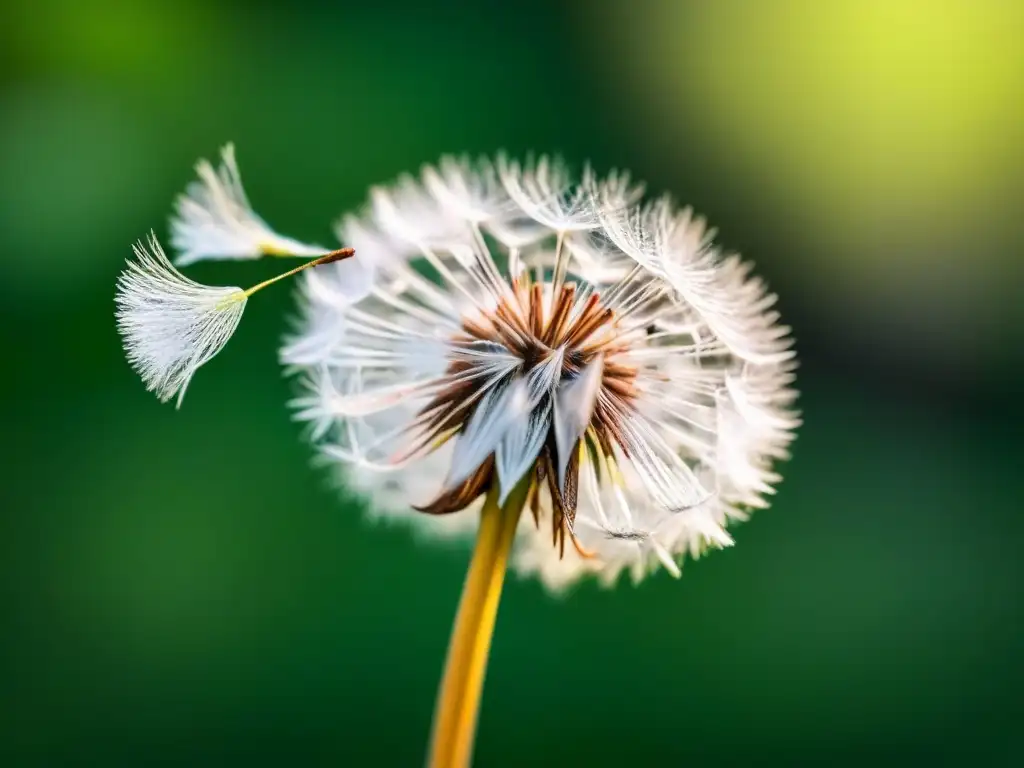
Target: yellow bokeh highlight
(873, 101)
(886, 137)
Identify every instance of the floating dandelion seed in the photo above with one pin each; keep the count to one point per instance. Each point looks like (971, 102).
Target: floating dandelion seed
(171, 325)
(215, 221)
(510, 340)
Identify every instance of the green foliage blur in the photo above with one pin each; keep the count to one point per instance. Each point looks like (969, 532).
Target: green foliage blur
(184, 588)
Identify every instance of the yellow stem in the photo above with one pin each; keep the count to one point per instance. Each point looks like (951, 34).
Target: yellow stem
(327, 258)
(458, 700)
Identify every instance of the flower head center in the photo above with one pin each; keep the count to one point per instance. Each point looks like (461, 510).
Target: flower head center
(568, 351)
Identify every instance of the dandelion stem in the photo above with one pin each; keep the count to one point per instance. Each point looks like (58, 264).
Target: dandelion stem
(327, 258)
(458, 701)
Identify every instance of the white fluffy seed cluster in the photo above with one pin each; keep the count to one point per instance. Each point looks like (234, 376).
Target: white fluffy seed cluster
(664, 456)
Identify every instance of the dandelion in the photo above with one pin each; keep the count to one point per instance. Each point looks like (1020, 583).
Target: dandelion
(584, 382)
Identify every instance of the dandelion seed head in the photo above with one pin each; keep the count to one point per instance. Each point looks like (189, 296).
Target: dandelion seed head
(511, 325)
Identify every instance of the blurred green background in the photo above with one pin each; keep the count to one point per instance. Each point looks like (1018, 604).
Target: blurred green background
(182, 588)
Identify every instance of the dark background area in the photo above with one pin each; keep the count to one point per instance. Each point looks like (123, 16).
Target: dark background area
(183, 588)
